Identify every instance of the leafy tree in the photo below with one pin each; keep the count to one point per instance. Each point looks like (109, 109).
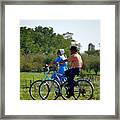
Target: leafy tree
(38, 46)
(91, 62)
(68, 35)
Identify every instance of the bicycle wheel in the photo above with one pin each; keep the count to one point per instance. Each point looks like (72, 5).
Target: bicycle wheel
(86, 89)
(34, 90)
(52, 91)
(65, 91)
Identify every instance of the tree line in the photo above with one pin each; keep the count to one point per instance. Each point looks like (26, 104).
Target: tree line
(39, 45)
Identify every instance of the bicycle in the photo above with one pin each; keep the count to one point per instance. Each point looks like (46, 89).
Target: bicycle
(34, 87)
(83, 89)
(63, 91)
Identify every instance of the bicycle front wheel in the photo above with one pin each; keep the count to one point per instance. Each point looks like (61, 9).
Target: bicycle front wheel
(65, 91)
(86, 89)
(49, 90)
(34, 90)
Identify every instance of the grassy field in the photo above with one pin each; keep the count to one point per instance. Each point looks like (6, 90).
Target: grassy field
(26, 78)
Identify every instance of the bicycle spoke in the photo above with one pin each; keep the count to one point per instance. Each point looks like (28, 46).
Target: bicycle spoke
(52, 92)
(65, 92)
(34, 90)
(86, 90)
(44, 90)
(76, 92)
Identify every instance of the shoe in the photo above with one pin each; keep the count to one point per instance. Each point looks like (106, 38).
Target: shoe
(69, 95)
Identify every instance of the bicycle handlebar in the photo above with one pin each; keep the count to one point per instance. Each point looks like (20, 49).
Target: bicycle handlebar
(47, 67)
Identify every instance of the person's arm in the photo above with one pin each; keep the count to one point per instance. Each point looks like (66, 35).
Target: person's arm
(62, 62)
(55, 62)
(52, 63)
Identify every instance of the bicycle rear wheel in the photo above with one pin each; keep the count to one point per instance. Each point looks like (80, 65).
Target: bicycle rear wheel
(65, 91)
(86, 89)
(52, 92)
(34, 90)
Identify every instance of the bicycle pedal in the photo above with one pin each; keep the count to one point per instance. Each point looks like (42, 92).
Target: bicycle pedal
(83, 95)
(60, 94)
(68, 96)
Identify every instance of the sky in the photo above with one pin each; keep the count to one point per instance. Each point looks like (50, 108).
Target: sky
(84, 31)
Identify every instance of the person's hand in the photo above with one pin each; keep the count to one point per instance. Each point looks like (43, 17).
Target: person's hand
(47, 65)
(62, 62)
(57, 63)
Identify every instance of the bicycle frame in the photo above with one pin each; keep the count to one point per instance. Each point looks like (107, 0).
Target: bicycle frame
(46, 75)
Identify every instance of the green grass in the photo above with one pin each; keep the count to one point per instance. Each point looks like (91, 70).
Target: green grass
(26, 78)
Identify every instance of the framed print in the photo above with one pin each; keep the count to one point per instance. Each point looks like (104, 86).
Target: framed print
(59, 59)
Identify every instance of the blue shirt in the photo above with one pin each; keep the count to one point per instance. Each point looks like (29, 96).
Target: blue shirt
(62, 67)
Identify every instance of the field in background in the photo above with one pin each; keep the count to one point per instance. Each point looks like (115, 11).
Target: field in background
(26, 78)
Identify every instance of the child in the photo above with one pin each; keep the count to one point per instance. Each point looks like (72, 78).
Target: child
(60, 58)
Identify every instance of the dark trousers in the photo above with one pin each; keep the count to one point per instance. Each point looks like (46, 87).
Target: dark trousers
(70, 74)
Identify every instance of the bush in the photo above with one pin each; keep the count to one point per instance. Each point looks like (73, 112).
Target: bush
(91, 62)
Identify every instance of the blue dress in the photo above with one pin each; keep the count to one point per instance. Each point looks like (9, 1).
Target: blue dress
(62, 67)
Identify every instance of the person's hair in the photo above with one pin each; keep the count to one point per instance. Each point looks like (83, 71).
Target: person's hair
(74, 48)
